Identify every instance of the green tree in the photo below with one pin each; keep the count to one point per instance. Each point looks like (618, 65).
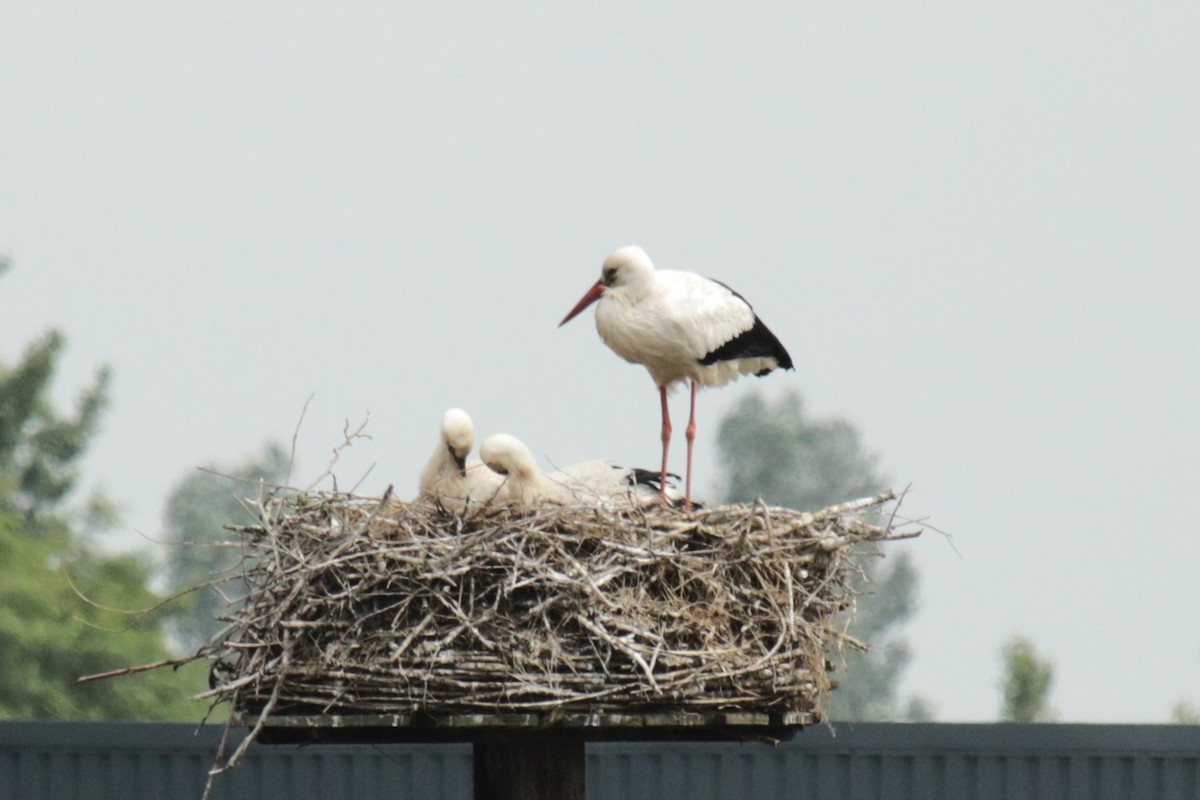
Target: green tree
(778, 452)
(49, 635)
(1026, 682)
(39, 448)
(201, 551)
(1185, 713)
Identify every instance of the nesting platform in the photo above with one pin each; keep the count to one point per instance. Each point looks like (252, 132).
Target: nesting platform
(398, 728)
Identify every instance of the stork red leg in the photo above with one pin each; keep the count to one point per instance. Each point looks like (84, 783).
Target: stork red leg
(666, 441)
(691, 437)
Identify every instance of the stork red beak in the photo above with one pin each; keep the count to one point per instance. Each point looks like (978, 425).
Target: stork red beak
(593, 294)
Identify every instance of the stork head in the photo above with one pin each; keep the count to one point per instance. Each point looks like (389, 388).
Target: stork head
(458, 433)
(508, 455)
(628, 267)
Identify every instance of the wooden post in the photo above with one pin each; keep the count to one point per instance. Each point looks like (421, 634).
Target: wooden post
(530, 766)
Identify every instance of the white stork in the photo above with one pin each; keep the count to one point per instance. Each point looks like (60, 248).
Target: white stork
(448, 477)
(681, 327)
(590, 483)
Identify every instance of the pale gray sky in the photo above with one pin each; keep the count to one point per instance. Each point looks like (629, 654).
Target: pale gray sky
(974, 227)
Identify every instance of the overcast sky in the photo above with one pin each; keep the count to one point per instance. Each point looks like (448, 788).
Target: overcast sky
(975, 227)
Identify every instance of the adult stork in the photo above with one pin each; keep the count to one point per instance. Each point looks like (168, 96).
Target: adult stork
(448, 477)
(590, 483)
(681, 327)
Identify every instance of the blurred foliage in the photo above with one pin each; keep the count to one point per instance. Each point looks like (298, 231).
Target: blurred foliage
(1025, 683)
(778, 452)
(39, 447)
(1185, 713)
(50, 635)
(200, 550)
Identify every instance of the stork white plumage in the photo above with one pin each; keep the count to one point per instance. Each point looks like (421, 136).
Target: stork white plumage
(681, 327)
(590, 483)
(448, 477)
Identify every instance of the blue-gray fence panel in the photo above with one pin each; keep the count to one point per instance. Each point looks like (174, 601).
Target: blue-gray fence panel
(103, 761)
(921, 762)
(109, 761)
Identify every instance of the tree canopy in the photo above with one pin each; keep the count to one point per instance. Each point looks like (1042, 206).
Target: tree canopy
(49, 634)
(1026, 683)
(39, 447)
(1184, 712)
(201, 550)
(777, 451)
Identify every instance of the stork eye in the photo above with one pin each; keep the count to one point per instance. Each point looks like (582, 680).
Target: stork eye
(610, 276)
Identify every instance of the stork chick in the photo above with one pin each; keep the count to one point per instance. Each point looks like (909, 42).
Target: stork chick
(448, 477)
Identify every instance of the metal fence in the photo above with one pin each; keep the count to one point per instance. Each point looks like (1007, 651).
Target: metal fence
(99, 761)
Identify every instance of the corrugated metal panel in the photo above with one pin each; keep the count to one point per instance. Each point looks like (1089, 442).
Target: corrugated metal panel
(921, 762)
(97, 761)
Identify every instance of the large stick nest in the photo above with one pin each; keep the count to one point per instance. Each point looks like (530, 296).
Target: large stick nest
(366, 606)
